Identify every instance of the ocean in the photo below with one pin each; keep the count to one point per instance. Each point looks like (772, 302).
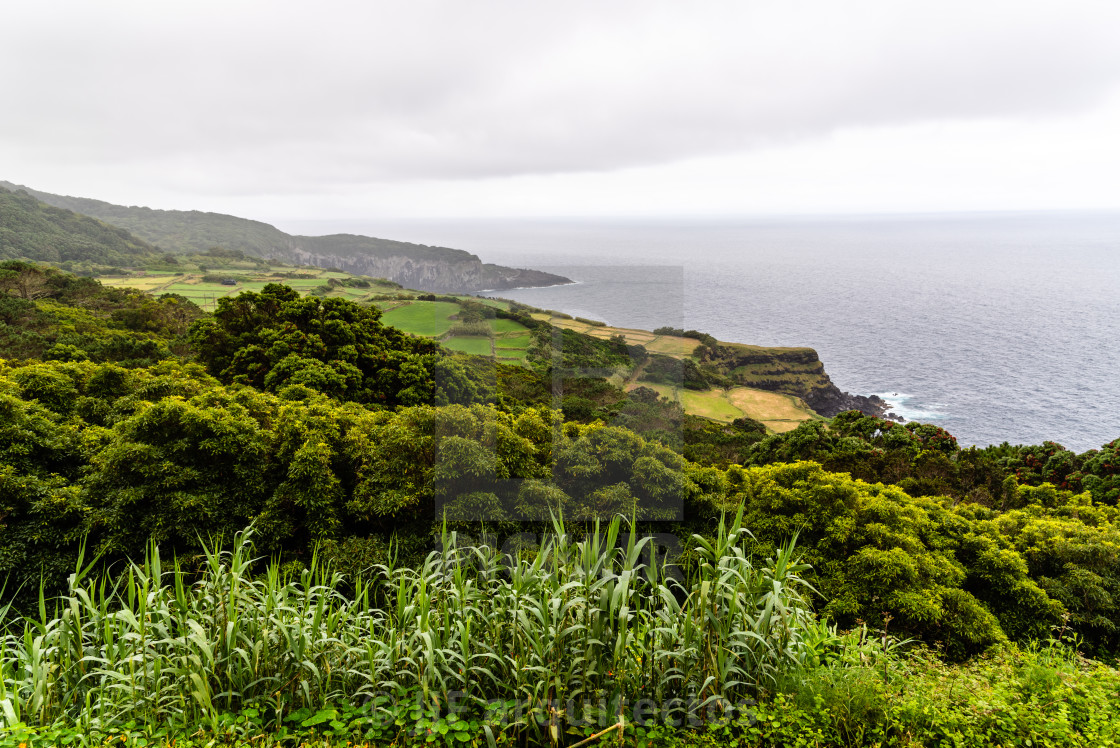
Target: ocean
(998, 327)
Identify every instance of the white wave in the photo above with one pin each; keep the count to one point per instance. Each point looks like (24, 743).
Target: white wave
(901, 404)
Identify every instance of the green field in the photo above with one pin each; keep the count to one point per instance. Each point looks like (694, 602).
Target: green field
(427, 318)
(430, 318)
(472, 344)
(517, 342)
(385, 304)
(709, 404)
(500, 326)
(508, 340)
(303, 284)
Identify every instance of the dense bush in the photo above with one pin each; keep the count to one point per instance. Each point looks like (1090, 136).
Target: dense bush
(167, 452)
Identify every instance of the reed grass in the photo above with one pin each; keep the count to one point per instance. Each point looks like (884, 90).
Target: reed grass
(584, 624)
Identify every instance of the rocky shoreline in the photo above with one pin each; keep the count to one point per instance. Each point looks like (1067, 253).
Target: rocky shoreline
(830, 401)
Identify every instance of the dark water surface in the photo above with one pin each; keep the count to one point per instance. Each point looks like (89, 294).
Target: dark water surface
(996, 326)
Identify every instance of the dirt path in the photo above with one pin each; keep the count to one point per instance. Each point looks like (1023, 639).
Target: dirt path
(634, 376)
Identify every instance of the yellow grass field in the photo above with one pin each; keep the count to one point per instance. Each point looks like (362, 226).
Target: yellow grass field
(673, 346)
(778, 412)
(710, 404)
(206, 294)
(147, 284)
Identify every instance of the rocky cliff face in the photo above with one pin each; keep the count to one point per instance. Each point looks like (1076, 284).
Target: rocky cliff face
(465, 274)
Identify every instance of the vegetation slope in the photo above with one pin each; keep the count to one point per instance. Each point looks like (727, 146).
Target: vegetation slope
(145, 428)
(32, 230)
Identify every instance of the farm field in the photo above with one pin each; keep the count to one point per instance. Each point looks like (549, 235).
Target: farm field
(508, 340)
(206, 294)
(474, 344)
(520, 342)
(778, 412)
(428, 318)
(500, 326)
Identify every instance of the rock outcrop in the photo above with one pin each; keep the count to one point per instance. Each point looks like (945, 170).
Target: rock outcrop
(829, 401)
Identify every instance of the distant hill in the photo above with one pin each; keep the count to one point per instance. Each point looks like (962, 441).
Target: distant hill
(34, 230)
(418, 266)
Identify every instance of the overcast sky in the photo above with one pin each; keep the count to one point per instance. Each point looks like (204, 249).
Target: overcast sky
(300, 110)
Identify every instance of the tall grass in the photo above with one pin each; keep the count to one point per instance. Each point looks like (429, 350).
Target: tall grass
(585, 625)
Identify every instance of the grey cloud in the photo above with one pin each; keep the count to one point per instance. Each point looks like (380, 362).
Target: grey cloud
(263, 96)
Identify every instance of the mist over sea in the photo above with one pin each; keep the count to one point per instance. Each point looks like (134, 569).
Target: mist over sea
(999, 327)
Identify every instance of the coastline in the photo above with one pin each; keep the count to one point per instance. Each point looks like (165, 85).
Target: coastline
(526, 288)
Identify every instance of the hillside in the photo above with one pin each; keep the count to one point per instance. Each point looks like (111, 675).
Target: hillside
(508, 333)
(778, 387)
(32, 230)
(437, 269)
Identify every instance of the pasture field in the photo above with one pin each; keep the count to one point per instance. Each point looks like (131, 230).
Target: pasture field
(386, 304)
(428, 318)
(500, 326)
(303, 284)
(519, 342)
(469, 344)
(147, 283)
(774, 406)
(710, 404)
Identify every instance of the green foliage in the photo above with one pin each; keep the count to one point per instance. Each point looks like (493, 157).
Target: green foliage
(321, 424)
(683, 372)
(711, 443)
(704, 338)
(477, 327)
(925, 460)
(32, 230)
(168, 452)
(879, 552)
(583, 621)
(58, 316)
(554, 646)
(567, 350)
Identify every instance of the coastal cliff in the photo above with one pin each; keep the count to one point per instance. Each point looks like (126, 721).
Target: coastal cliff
(419, 266)
(436, 269)
(792, 371)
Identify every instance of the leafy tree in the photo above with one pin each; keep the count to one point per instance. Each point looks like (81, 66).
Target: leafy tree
(274, 339)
